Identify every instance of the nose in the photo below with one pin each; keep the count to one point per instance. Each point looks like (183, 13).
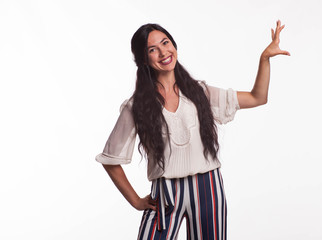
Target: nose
(162, 52)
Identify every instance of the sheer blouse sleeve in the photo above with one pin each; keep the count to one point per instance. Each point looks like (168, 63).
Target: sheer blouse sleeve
(223, 103)
(120, 144)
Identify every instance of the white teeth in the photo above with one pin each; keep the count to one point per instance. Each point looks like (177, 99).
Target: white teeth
(166, 60)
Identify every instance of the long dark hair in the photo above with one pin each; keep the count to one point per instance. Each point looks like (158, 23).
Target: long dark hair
(148, 102)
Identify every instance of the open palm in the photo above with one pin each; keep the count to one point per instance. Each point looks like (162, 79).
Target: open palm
(273, 48)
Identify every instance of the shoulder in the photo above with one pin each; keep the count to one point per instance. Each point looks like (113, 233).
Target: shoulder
(203, 84)
(127, 104)
(209, 90)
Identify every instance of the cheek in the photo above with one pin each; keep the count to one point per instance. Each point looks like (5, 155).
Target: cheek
(152, 59)
(174, 51)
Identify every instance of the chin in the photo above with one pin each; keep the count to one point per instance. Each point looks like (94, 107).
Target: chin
(169, 67)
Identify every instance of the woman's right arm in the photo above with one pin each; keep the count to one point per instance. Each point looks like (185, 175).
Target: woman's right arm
(118, 150)
(120, 180)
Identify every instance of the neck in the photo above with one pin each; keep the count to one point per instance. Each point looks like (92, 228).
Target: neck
(167, 79)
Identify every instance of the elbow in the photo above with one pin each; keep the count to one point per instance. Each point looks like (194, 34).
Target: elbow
(260, 102)
(263, 102)
(258, 99)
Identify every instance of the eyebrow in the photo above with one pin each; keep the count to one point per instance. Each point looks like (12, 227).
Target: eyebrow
(160, 42)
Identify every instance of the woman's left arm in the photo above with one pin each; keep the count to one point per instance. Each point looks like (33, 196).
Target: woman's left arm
(258, 95)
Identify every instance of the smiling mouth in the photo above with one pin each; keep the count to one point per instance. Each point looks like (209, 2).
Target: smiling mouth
(166, 61)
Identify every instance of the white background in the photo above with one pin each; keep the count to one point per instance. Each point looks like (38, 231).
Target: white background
(66, 67)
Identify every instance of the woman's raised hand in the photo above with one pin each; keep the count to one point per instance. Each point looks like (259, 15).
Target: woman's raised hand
(273, 49)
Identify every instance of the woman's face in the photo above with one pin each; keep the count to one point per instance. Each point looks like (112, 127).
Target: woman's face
(161, 52)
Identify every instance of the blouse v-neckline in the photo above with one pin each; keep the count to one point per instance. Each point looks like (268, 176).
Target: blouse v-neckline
(179, 103)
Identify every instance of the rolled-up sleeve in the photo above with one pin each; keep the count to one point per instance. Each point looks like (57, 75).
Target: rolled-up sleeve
(223, 103)
(120, 144)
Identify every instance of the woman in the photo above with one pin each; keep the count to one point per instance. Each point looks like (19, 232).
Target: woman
(175, 117)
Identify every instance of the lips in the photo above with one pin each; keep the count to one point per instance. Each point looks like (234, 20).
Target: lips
(166, 61)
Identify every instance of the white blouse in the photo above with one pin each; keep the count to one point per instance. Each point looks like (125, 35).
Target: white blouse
(186, 156)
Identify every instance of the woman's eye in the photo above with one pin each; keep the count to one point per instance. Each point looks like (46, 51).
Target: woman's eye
(165, 42)
(151, 50)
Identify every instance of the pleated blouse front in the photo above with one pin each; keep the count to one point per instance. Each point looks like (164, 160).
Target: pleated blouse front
(186, 156)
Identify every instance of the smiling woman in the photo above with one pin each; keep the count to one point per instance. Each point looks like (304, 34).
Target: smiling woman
(162, 54)
(176, 117)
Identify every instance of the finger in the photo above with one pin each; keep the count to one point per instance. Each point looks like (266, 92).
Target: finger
(278, 24)
(150, 198)
(272, 32)
(153, 207)
(280, 28)
(279, 31)
(152, 202)
(285, 53)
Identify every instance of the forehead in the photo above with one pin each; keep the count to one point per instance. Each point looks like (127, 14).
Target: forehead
(155, 37)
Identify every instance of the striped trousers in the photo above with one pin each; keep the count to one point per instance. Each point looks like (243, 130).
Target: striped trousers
(199, 198)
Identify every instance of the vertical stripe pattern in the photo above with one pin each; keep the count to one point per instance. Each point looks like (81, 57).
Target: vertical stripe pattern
(199, 198)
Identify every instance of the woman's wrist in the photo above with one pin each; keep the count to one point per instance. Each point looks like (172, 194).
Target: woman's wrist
(136, 202)
(264, 57)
